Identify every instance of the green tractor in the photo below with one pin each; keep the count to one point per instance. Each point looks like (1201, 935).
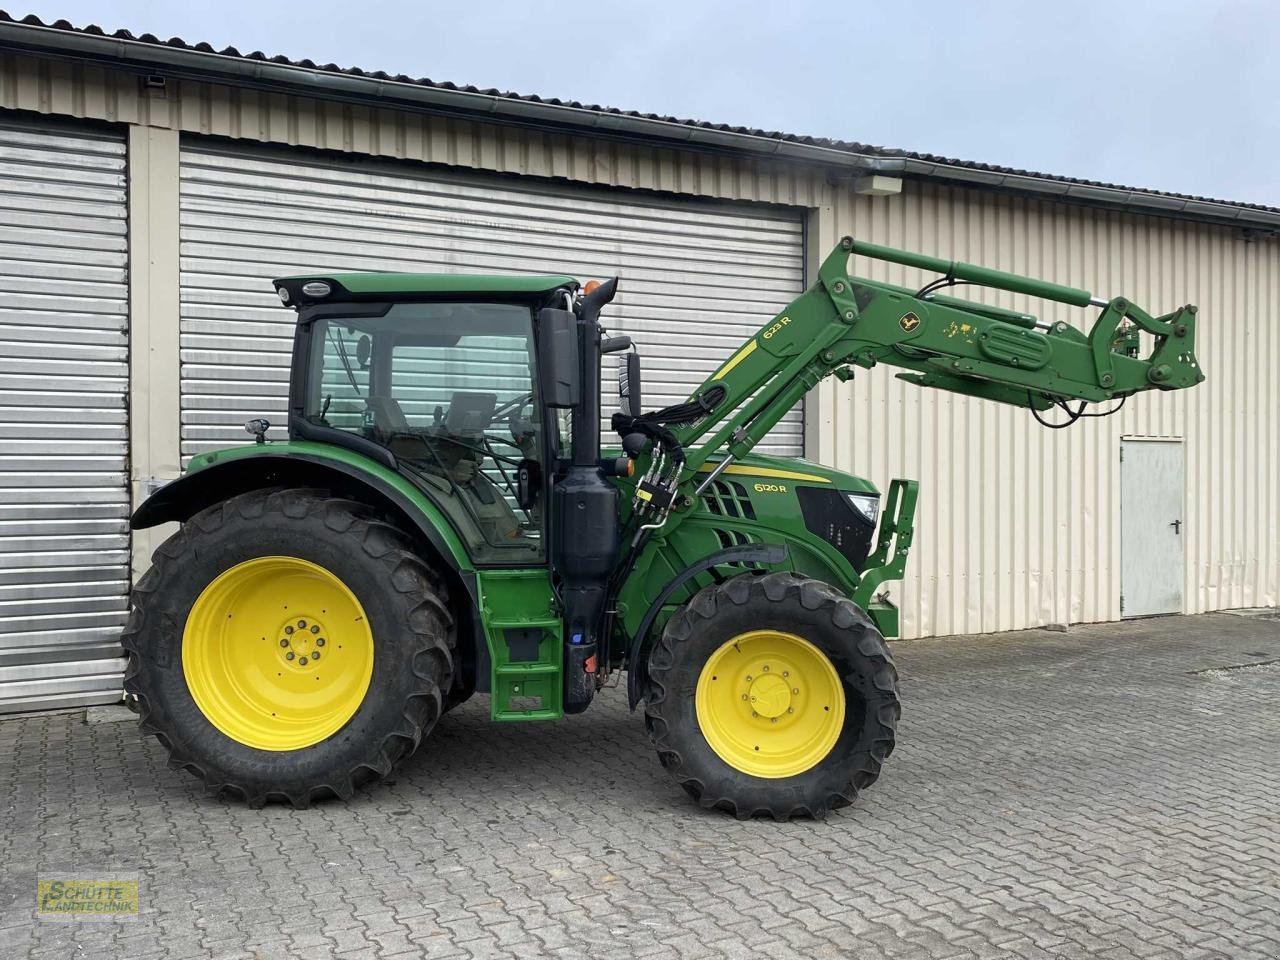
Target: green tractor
(443, 520)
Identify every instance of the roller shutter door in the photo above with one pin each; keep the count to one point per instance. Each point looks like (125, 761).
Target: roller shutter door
(64, 500)
(698, 277)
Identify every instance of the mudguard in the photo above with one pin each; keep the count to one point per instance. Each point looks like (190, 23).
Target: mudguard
(241, 472)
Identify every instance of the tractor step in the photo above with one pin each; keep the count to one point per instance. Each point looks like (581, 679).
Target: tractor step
(526, 670)
(526, 646)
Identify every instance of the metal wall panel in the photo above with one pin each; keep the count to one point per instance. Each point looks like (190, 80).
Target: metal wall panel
(64, 502)
(1018, 525)
(697, 277)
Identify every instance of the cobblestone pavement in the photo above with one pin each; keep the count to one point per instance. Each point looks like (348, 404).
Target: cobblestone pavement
(1109, 792)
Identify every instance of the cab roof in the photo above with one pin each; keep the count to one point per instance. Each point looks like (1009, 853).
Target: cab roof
(427, 286)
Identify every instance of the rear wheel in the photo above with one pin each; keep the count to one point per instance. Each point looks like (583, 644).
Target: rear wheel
(772, 695)
(289, 645)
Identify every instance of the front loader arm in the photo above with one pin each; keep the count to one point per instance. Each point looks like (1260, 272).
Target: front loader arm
(842, 322)
(943, 342)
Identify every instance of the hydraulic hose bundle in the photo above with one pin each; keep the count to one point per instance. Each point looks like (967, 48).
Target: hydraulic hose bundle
(656, 490)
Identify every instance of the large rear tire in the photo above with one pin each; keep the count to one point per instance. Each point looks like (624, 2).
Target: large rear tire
(772, 695)
(288, 645)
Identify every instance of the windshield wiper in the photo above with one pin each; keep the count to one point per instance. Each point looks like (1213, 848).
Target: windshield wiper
(346, 361)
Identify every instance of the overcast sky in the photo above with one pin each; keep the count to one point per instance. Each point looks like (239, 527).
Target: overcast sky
(1179, 95)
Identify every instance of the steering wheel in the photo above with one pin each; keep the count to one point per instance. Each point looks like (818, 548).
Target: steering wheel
(516, 422)
(511, 407)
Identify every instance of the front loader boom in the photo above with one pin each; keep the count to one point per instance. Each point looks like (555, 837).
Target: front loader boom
(943, 342)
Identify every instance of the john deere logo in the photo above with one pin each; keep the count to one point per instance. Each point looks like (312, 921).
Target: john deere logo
(909, 322)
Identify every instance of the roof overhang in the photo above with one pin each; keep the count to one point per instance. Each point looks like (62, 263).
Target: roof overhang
(185, 62)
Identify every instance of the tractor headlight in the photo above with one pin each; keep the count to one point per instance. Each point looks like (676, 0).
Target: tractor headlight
(867, 504)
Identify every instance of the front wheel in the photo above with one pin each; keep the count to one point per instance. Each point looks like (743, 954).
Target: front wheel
(772, 695)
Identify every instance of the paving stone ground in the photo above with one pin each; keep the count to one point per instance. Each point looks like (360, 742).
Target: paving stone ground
(1109, 792)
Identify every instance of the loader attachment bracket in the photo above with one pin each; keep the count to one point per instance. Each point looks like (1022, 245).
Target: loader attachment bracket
(976, 349)
(888, 561)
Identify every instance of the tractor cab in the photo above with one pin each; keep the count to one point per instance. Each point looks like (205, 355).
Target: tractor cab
(436, 376)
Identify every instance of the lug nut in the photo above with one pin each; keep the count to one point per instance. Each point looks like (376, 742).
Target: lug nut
(744, 696)
(786, 673)
(791, 709)
(284, 643)
(748, 678)
(315, 628)
(302, 661)
(316, 655)
(319, 641)
(795, 690)
(289, 655)
(288, 629)
(754, 714)
(302, 624)
(766, 668)
(773, 719)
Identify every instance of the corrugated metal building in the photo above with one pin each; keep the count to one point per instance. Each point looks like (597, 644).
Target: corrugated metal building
(150, 190)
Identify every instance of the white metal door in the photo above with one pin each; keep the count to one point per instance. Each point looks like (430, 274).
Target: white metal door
(64, 501)
(1151, 527)
(697, 277)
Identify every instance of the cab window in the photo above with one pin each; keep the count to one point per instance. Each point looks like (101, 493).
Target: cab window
(449, 389)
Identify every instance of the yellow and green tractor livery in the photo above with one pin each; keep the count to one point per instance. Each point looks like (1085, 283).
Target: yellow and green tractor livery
(443, 519)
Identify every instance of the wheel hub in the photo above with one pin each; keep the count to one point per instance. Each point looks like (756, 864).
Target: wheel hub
(769, 695)
(303, 636)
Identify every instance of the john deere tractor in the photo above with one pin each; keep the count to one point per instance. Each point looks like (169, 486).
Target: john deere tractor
(442, 520)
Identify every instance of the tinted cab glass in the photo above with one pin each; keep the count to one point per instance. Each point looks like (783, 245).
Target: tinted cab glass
(449, 389)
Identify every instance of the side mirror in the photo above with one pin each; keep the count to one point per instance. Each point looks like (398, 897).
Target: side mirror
(559, 367)
(629, 385)
(528, 483)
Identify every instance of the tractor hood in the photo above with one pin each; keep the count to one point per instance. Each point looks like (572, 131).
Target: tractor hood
(766, 469)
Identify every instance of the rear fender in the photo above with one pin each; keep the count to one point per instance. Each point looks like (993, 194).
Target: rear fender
(184, 498)
(412, 512)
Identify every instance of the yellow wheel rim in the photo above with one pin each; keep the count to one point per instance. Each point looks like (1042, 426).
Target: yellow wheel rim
(277, 653)
(770, 704)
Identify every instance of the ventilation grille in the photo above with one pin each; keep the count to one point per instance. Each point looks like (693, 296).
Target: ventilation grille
(725, 498)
